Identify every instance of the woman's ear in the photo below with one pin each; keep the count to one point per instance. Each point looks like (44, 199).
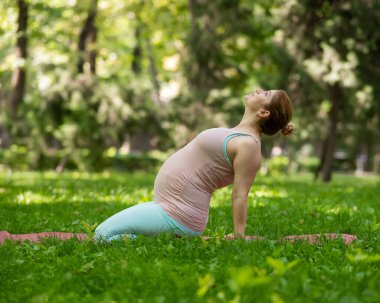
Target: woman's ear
(263, 113)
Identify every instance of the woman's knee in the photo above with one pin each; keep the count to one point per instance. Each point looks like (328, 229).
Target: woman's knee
(101, 234)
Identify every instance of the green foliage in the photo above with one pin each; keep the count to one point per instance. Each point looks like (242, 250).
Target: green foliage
(20, 159)
(277, 165)
(196, 60)
(16, 157)
(315, 51)
(308, 164)
(146, 162)
(168, 269)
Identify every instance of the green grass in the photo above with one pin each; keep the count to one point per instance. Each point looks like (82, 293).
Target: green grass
(167, 269)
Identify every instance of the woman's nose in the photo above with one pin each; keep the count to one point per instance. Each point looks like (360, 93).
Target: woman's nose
(258, 91)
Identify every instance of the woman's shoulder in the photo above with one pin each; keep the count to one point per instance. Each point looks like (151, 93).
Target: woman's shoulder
(246, 147)
(247, 143)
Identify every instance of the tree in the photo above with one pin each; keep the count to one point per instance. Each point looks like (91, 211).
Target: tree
(319, 38)
(19, 72)
(87, 40)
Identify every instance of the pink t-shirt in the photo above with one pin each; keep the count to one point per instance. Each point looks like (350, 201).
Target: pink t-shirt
(184, 184)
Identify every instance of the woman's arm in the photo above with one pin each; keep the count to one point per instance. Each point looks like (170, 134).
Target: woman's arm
(246, 164)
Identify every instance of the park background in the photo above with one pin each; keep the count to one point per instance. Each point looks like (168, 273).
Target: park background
(95, 94)
(92, 85)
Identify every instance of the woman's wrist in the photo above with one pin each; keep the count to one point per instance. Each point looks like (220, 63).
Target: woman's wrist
(239, 229)
(239, 235)
(234, 236)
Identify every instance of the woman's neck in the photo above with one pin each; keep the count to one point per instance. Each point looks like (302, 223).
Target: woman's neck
(250, 126)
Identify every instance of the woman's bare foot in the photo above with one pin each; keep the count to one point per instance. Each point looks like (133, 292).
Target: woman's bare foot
(233, 237)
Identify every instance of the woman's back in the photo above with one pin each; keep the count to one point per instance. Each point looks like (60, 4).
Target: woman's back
(186, 181)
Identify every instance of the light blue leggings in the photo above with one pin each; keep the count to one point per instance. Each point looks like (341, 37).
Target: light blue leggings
(142, 219)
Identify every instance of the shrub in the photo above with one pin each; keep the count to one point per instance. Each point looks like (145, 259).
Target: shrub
(309, 164)
(277, 165)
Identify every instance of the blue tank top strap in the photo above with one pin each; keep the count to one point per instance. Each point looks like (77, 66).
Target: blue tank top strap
(228, 138)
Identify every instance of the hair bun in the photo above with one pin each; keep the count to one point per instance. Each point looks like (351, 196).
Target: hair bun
(287, 130)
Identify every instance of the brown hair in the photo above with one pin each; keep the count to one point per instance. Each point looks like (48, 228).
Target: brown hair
(280, 109)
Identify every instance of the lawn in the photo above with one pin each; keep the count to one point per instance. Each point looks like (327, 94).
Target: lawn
(168, 269)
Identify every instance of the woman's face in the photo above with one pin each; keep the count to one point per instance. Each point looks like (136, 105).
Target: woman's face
(258, 99)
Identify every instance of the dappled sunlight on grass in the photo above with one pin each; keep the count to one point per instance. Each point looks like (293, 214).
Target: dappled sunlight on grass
(59, 195)
(268, 193)
(278, 207)
(340, 209)
(75, 188)
(32, 198)
(38, 178)
(223, 196)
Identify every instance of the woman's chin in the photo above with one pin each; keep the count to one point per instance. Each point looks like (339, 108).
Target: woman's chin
(247, 98)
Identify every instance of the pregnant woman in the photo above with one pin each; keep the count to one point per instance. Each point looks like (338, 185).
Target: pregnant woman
(184, 185)
(214, 159)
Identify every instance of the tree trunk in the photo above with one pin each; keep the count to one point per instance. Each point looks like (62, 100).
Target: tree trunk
(322, 160)
(93, 52)
(19, 73)
(153, 72)
(197, 65)
(141, 141)
(376, 160)
(87, 36)
(4, 137)
(336, 96)
(137, 52)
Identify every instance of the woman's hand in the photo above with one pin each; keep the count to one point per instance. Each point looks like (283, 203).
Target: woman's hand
(234, 236)
(229, 237)
(248, 238)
